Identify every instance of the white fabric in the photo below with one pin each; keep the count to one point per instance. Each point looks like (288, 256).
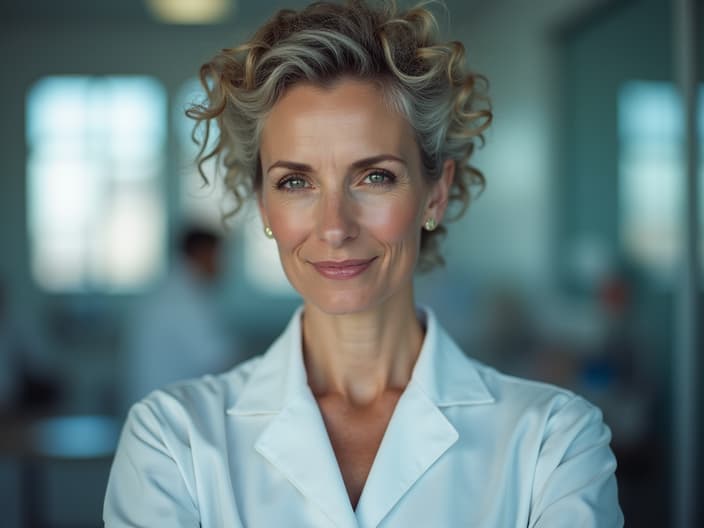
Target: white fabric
(466, 446)
(175, 334)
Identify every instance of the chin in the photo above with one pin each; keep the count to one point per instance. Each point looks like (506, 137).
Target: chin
(342, 303)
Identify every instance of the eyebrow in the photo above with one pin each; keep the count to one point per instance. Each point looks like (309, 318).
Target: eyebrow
(303, 167)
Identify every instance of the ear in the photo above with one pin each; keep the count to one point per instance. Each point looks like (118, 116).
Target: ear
(440, 192)
(262, 211)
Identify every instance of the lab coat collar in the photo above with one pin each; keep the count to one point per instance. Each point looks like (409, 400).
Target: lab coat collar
(278, 378)
(296, 442)
(442, 371)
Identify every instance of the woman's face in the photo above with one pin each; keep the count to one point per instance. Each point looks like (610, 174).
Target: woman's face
(343, 192)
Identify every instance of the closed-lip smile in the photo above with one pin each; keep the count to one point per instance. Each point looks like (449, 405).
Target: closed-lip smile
(342, 269)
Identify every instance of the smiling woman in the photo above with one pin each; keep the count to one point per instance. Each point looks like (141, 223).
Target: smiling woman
(353, 126)
(422, 79)
(344, 194)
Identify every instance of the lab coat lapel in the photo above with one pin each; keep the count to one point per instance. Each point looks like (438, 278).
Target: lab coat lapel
(417, 435)
(295, 441)
(419, 432)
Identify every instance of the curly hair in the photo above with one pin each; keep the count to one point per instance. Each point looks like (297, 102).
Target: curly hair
(423, 79)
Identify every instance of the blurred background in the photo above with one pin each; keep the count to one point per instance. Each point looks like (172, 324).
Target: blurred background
(577, 266)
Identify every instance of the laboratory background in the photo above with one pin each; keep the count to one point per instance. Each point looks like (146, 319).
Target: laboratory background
(580, 264)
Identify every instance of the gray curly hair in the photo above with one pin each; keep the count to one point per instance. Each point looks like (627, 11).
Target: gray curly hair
(423, 79)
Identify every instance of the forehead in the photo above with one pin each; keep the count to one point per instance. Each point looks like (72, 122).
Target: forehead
(349, 118)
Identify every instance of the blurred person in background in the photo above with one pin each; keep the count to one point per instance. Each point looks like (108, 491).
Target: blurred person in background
(353, 126)
(28, 379)
(176, 333)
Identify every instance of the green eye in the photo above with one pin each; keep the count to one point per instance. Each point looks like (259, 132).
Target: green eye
(293, 183)
(380, 177)
(296, 183)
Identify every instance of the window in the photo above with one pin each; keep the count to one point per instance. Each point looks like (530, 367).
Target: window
(651, 173)
(95, 202)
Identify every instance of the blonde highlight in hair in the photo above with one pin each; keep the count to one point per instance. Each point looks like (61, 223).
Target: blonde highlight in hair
(423, 79)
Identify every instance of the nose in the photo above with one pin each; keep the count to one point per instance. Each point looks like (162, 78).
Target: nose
(336, 222)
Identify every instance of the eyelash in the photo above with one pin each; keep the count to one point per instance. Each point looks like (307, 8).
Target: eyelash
(390, 177)
(286, 180)
(281, 184)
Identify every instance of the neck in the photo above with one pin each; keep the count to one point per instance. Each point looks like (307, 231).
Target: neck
(361, 356)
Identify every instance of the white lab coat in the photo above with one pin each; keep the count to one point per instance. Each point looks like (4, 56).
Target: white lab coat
(174, 334)
(466, 447)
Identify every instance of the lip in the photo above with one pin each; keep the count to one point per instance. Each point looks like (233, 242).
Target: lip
(342, 269)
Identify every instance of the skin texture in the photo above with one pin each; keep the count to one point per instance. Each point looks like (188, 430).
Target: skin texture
(342, 182)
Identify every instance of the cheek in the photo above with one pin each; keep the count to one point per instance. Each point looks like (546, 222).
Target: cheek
(289, 224)
(393, 222)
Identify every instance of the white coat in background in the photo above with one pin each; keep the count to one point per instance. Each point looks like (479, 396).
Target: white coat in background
(175, 334)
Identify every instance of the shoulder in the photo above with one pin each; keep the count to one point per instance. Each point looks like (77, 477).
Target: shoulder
(170, 438)
(458, 378)
(541, 409)
(507, 405)
(560, 437)
(528, 394)
(566, 443)
(195, 401)
(558, 423)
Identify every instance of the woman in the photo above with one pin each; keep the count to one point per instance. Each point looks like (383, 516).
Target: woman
(353, 128)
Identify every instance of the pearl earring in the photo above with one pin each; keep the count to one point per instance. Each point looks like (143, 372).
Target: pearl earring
(268, 232)
(430, 224)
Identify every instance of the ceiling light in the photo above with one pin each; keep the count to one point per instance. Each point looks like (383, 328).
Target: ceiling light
(190, 11)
